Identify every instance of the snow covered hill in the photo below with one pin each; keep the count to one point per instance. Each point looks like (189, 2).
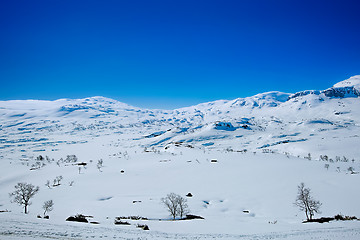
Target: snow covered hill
(241, 159)
(278, 121)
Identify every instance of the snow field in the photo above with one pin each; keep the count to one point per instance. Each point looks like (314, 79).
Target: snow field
(263, 184)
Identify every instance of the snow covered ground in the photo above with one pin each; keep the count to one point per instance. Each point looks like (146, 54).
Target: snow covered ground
(264, 185)
(20, 228)
(242, 160)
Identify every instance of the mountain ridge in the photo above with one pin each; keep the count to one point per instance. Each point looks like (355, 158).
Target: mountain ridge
(280, 121)
(350, 86)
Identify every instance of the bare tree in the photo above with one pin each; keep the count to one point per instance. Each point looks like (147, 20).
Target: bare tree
(58, 179)
(171, 203)
(183, 207)
(48, 206)
(306, 203)
(176, 205)
(23, 193)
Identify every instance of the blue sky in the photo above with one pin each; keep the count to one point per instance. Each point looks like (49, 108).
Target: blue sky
(169, 54)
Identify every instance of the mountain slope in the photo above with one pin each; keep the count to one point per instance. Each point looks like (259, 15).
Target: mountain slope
(229, 154)
(278, 121)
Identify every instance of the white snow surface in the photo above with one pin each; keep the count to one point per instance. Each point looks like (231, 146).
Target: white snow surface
(259, 144)
(354, 81)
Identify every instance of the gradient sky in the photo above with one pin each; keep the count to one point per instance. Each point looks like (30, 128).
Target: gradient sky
(168, 54)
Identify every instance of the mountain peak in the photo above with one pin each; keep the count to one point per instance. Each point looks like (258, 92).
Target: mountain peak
(353, 81)
(347, 88)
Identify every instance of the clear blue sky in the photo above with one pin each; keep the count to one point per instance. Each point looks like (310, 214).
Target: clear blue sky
(168, 54)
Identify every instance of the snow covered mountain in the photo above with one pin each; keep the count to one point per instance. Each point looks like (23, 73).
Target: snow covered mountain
(278, 121)
(217, 151)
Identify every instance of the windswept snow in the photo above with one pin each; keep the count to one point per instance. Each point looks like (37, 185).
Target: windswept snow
(241, 159)
(354, 81)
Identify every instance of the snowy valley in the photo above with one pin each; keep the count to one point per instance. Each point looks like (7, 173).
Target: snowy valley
(240, 159)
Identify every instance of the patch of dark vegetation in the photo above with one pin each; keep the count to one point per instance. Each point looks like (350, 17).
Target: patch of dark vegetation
(2, 211)
(320, 220)
(143, 226)
(77, 218)
(337, 217)
(94, 222)
(118, 221)
(132, 218)
(340, 217)
(189, 195)
(191, 217)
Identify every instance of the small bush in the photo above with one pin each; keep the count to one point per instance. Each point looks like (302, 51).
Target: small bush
(118, 221)
(132, 218)
(143, 226)
(77, 218)
(340, 217)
